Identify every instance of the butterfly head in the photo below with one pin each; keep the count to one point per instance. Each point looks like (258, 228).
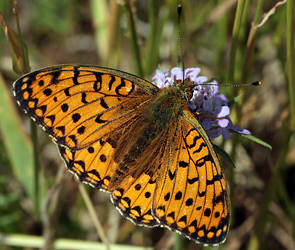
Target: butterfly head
(185, 87)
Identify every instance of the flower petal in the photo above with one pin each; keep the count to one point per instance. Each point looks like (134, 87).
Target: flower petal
(225, 133)
(192, 73)
(214, 133)
(201, 79)
(160, 73)
(220, 112)
(223, 123)
(208, 106)
(207, 124)
(237, 129)
(176, 74)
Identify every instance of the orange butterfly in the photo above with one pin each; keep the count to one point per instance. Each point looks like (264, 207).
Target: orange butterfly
(120, 133)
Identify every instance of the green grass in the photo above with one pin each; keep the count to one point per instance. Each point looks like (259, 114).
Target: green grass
(216, 37)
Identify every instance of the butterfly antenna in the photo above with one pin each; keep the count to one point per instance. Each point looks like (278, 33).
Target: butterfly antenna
(179, 9)
(257, 83)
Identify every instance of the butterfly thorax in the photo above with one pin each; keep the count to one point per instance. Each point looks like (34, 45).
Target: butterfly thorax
(140, 143)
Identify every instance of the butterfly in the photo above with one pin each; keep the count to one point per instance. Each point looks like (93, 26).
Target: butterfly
(122, 134)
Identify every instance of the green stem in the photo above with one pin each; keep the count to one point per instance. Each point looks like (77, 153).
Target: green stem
(32, 124)
(34, 137)
(93, 214)
(133, 39)
(251, 45)
(152, 52)
(15, 10)
(233, 51)
(178, 241)
(273, 184)
(113, 34)
(286, 202)
(291, 61)
(100, 12)
(235, 39)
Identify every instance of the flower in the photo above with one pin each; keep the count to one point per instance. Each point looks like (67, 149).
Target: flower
(210, 105)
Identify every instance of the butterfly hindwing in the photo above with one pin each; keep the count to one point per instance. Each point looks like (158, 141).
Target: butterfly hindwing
(191, 196)
(135, 193)
(93, 165)
(135, 201)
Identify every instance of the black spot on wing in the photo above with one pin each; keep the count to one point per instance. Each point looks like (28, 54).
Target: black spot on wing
(67, 91)
(201, 194)
(193, 180)
(76, 75)
(90, 150)
(76, 117)
(81, 130)
(83, 98)
(41, 83)
(62, 129)
(74, 139)
(111, 82)
(207, 212)
(215, 178)
(102, 158)
(200, 162)
(122, 85)
(97, 83)
(55, 76)
(127, 200)
(99, 120)
(43, 109)
(178, 195)
(202, 145)
(137, 187)
(167, 197)
(103, 104)
(171, 175)
(183, 164)
(47, 92)
(64, 107)
(51, 118)
(183, 219)
(189, 202)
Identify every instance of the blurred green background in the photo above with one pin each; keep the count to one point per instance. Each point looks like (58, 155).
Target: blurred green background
(215, 35)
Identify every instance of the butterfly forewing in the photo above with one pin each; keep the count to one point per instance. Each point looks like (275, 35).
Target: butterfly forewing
(81, 107)
(78, 104)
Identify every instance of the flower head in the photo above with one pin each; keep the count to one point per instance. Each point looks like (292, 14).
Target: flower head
(206, 101)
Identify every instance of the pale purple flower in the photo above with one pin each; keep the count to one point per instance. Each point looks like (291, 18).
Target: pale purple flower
(206, 101)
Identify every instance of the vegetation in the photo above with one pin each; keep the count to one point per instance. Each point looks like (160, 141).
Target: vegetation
(231, 41)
